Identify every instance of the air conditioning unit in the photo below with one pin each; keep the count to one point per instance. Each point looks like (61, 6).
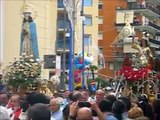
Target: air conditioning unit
(131, 0)
(118, 8)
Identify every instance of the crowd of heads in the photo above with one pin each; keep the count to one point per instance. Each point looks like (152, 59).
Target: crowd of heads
(77, 105)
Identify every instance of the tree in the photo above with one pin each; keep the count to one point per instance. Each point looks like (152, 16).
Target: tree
(93, 68)
(101, 82)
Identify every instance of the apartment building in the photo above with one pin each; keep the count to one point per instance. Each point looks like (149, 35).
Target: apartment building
(142, 14)
(90, 36)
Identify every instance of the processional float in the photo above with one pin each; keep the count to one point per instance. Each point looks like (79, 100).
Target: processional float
(136, 76)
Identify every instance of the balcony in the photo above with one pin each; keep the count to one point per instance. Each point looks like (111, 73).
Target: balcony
(60, 46)
(62, 24)
(150, 27)
(60, 5)
(155, 2)
(154, 43)
(66, 64)
(150, 11)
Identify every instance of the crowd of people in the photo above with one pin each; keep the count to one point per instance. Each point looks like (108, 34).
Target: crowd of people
(77, 105)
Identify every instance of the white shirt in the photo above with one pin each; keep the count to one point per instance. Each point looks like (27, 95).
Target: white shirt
(57, 115)
(4, 113)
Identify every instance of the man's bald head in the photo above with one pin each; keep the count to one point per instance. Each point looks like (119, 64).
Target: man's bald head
(99, 95)
(84, 114)
(54, 104)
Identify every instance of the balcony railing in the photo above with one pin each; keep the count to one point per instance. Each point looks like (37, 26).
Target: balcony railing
(151, 27)
(154, 2)
(61, 46)
(63, 24)
(60, 4)
(155, 43)
(153, 9)
(154, 26)
(149, 10)
(149, 7)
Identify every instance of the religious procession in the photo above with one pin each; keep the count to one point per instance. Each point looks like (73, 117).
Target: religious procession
(80, 60)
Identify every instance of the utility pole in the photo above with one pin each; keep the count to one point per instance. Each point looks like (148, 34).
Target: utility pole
(70, 10)
(83, 69)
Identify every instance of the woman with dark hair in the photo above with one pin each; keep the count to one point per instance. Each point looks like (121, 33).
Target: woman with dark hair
(146, 107)
(156, 106)
(118, 109)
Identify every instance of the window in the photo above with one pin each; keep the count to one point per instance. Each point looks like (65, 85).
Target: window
(87, 40)
(100, 20)
(100, 35)
(88, 21)
(158, 38)
(111, 66)
(100, 6)
(87, 2)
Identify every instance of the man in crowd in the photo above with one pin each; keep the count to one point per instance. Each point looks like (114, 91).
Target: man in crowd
(56, 112)
(127, 103)
(84, 113)
(99, 96)
(4, 99)
(38, 111)
(3, 111)
(16, 109)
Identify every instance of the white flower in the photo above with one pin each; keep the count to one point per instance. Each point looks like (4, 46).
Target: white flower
(23, 54)
(31, 55)
(36, 63)
(27, 64)
(31, 60)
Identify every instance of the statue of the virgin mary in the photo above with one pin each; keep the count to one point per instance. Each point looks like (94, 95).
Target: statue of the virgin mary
(29, 44)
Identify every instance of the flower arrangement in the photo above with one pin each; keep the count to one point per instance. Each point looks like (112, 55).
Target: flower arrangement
(22, 73)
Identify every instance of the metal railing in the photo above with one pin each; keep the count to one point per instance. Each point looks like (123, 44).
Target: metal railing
(139, 7)
(154, 26)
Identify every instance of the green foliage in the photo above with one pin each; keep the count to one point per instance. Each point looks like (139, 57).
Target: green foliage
(92, 68)
(22, 72)
(89, 81)
(101, 82)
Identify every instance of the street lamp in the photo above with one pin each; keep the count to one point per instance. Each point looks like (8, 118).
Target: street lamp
(69, 5)
(73, 7)
(83, 69)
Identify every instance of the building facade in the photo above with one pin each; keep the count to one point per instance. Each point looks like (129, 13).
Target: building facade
(90, 30)
(11, 24)
(52, 30)
(142, 14)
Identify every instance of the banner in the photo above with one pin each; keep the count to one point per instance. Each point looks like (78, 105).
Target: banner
(58, 65)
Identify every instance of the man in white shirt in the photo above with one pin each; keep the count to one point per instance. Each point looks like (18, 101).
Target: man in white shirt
(4, 114)
(56, 111)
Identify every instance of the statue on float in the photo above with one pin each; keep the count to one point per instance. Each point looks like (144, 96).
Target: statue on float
(139, 70)
(29, 43)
